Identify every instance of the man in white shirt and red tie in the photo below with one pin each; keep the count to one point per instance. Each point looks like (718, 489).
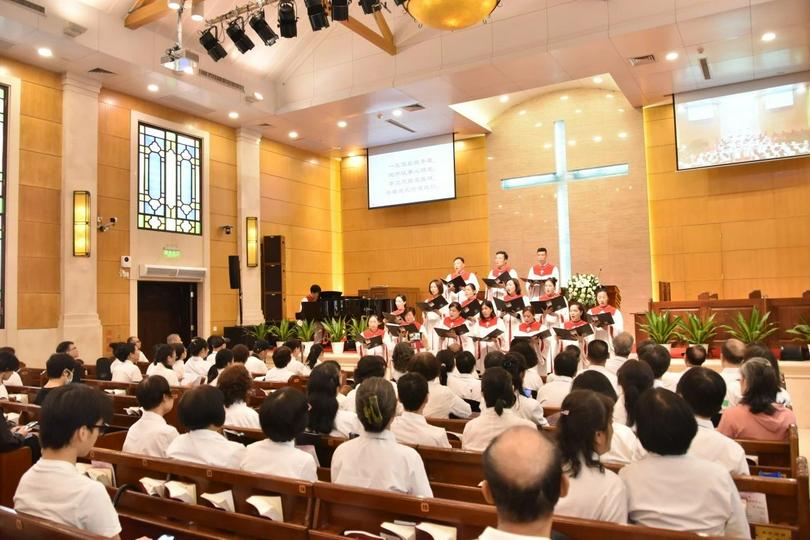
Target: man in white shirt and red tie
(501, 266)
(541, 271)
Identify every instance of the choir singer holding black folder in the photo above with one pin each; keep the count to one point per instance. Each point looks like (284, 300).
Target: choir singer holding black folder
(554, 311)
(606, 319)
(454, 329)
(540, 272)
(575, 331)
(511, 307)
(434, 310)
(496, 280)
(452, 290)
(488, 334)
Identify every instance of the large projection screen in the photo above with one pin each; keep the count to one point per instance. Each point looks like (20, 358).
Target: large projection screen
(412, 172)
(741, 123)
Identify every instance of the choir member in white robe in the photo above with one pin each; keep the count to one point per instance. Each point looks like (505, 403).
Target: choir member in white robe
(576, 311)
(584, 433)
(375, 329)
(454, 320)
(501, 266)
(528, 327)
(400, 303)
(542, 271)
(672, 490)
(512, 320)
(550, 320)
(606, 333)
(411, 427)
(151, 435)
(467, 295)
(487, 322)
(458, 270)
(375, 460)
(431, 319)
(418, 339)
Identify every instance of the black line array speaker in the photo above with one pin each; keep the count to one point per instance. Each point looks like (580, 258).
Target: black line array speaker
(273, 277)
(233, 272)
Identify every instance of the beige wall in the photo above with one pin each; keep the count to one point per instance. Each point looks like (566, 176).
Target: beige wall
(728, 230)
(407, 246)
(609, 224)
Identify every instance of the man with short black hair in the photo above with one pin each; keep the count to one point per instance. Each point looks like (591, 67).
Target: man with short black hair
(296, 364)
(523, 478)
(694, 356)
(622, 347)
(597, 353)
(280, 372)
(704, 391)
(71, 419)
(9, 364)
(68, 347)
(541, 272)
(501, 267)
(442, 402)
(668, 488)
(554, 391)
(151, 435)
(658, 358)
(732, 354)
(124, 368)
(411, 427)
(59, 369)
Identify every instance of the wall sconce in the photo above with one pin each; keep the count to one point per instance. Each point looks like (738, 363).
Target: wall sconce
(252, 241)
(81, 223)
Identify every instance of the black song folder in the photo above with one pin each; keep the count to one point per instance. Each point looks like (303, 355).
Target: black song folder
(457, 331)
(599, 319)
(556, 304)
(574, 333)
(489, 337)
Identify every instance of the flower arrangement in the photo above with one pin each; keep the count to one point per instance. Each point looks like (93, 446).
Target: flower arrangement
(582, 288)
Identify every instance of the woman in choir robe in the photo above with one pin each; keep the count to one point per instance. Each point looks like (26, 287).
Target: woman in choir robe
(512, 320)
(606, 333)
(466, 296)
(400, 302)
(430, 319)
(374, 330)
(417, 339)
(551, 319)
(529, 326)
(453, 320)
(575, 312)
(487, 322)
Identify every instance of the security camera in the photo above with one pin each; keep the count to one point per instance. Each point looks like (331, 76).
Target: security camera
(227, 229)
(113, 219)
(104, 227)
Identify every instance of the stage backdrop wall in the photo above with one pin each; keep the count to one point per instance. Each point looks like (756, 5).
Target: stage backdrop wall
(727, 230)
(407, 246)
(609, 231)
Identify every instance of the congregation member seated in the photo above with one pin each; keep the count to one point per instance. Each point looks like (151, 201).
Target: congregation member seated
(554, 391)
(584, 433)
(760, 350)
(283, 417)
(315, 356)
(658, 358)
(236, 385)
(14, 437)
(732, 354)
(375, 460)
(325, 415)
(280, 371)
(622, 347)
(123, 367)
(59, 369)
(670, 489)
(151, 435)
(525, 406)
(447, 364)
(498, 416)
(465, 382)
(523, 478)
(624, 445)
(241, 354)
(704, 390)
(442, 402)
(172, 339)
(411, 427)
(296, 364)
(597, 353)
(758, 415)
(532, 379)
(222, 360)
(635, 377)
(202, 411)
(493, 359)
(256, 363)
(215, 344)
(403, 352)
(367, 367)
(135, 341)
(72, 418)
(165, 359)
(180, 353)
(9, 364)
(195, 370)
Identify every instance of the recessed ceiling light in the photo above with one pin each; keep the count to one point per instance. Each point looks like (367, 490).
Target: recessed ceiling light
(572, 142)
(342, 124)
(597, 138)
(153, 88)
(174, 4)
(292, 134)
(609, 96)
(397, 112)
(577, 111)
(258, 96)
(45, 52)
(672, 56)
(620, 109)
(490, 158)
(597, 80)
(539, 124)
(313, 161)
(233, 115)
(504, 98)
(522, 113)
(768, 36)
(547, 145)
(622, 134)
(563, 98)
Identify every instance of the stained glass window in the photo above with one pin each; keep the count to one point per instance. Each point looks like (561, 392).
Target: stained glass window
(3, 123)
(169, 197)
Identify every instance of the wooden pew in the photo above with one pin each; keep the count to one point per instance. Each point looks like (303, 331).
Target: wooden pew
(774, 456)
(29, 412)
(111, 441)
(459, 467)
(133, 526)
(12, 466)
(25, 527)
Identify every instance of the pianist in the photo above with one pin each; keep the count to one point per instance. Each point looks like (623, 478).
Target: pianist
(313, 296)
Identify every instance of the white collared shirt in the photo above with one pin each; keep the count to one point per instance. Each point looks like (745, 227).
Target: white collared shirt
(465, 385)
(491, 533)
(240, 415)
(412, 428)
(713, 446)
(298, 367)
(614, 363)
(553, 392)
(54, 490)
(208, 448)
(275, 374)
(346, 423)
(530, 409)
(280, 459)
(480, 431)
(733, 390)
(126, 372)
(255, 365)
(670, 380)
(684, 493)
(442, 402)
(614, 380)
(350, 401)
(150, 436)
(624, 446)
(594, 494)
(378, 461)
(14, 380)
(3, 391)
(532, 380)
(195, 370)
(167, 373)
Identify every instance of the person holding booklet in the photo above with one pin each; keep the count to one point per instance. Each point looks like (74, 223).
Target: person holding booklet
(412, 331)
(452, 290)
(496, 280)
(511, 307)
(400, 302)
(488, 334)
(553, 311)
(373, 339)
(576, 330)
(534, 330)
(434, 309)
(453, 329)
(541, 272)
(468, 298)
(600, 316)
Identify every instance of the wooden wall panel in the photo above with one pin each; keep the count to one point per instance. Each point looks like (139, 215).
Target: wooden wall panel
(407, 246)
(728, 230)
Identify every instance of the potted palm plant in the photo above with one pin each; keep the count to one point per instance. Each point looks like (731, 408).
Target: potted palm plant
(802, 333)
(306, 333)
(752, 329)
(661, 327)
(283, 331)
(696, 331)
(356, 327)
(335, 329)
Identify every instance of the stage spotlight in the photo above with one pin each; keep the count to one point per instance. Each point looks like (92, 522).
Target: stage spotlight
(370, 6)
(262, 29)
(210, 42)
(287, 19)
(340, 10)
(236, 31)
(317, 14)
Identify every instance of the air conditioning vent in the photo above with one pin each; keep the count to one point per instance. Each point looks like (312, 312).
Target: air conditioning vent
(101, 71)
(221, 80)
(400, 126)
(414, 108)
(29, 5)
(180, 273)
(73, 30)
(642, 60)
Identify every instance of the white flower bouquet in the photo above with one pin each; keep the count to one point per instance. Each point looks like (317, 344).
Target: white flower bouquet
(582, 288)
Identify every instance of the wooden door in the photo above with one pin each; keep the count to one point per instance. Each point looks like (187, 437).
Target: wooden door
(165, 308)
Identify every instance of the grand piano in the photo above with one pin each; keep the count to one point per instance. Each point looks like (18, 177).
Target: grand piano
(333, 304)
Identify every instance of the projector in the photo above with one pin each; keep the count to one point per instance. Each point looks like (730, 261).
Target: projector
(180, 60)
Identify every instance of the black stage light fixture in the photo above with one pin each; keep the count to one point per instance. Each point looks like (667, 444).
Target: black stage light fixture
(317, 14)
(262, 29)
(340, 10)
(287, 19)
(400, 2)
(370, 6)
(210, 42)
(236, 31)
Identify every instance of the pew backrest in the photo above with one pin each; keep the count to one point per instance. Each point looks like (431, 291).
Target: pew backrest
(12, 466)
(25, 527)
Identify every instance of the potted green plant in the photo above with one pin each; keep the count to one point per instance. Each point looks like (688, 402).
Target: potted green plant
(260, 332)
(335, 329)
(696, 331)
(752, 329)
(802, 333)
(661, 327)
(306, 333)
(356, 327)
(283, 331)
